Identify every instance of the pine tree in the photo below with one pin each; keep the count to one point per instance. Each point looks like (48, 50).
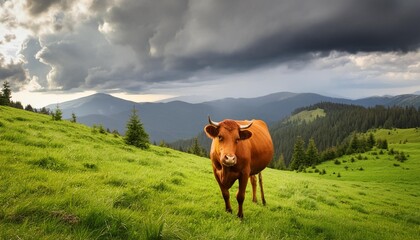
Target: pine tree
(354, 145)
(101, 129)
(6, 94)
(280, 163)
(371, 141)
(57, 114)
(328, 154)
(363, 144)
(29, 108)
(298, 157)
(163, 144)
(44, 110)
(312, 155)
(196, 148)
(73, 118)
(16, 104)
(382, 144)
(135, 134)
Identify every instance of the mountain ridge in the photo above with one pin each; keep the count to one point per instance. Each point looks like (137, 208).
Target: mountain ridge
(170, 121)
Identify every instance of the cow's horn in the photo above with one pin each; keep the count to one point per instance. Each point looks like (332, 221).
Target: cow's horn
(216, 124)
(246, 126)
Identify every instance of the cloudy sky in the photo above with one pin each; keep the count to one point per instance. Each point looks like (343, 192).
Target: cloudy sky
(145, 50)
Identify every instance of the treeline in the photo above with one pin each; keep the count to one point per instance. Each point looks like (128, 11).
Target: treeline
(6, 100)
(340, 122)
(301, 158)
(199, 145)
(6, 97)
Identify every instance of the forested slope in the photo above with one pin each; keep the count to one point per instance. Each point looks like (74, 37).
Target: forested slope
(339, 122)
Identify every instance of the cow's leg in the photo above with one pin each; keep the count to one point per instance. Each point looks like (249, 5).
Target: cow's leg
(240, 196)
(253, 179)
(225, 193)
(261, 188)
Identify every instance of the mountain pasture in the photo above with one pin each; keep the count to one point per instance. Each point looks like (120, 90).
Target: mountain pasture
(62, 180)
(381, 166)
(307, 116)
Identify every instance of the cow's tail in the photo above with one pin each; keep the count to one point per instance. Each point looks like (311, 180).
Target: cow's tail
(261, 188)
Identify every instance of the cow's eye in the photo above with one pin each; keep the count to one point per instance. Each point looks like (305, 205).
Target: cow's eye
(220, 138)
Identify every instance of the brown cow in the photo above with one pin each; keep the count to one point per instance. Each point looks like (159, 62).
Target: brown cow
(240, 150)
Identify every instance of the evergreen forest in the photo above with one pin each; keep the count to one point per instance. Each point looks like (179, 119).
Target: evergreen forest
(337, 126)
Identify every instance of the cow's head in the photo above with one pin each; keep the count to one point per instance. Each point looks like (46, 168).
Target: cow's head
(227, 135)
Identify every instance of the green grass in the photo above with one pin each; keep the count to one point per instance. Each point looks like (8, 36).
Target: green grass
(307, 116)
(60, 180)
(380, 166)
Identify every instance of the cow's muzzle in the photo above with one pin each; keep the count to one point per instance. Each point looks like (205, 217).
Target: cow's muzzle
(229, 160)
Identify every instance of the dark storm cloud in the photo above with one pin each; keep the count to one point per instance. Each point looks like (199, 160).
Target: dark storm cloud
(100, 5)
(306, 27)
(373, 25)
(36, 7)
(130, 44)
(12, 72)
(191, 36)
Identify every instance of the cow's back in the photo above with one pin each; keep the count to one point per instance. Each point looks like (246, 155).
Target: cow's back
(262, 150)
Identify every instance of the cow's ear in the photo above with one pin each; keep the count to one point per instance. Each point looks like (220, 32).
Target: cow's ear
(211, 131)
(245, 134)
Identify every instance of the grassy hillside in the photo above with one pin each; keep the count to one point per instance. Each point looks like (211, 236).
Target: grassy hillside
(61, 180)
(339, 121)
(382, 166)
(307, 116)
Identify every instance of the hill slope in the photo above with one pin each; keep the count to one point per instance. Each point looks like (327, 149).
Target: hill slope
(61, 180)
(381, 166)
(339, 122)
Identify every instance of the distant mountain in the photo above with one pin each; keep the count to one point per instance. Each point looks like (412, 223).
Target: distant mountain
(188, 99)
(96, 104)
(400, 100)
(175, 120)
